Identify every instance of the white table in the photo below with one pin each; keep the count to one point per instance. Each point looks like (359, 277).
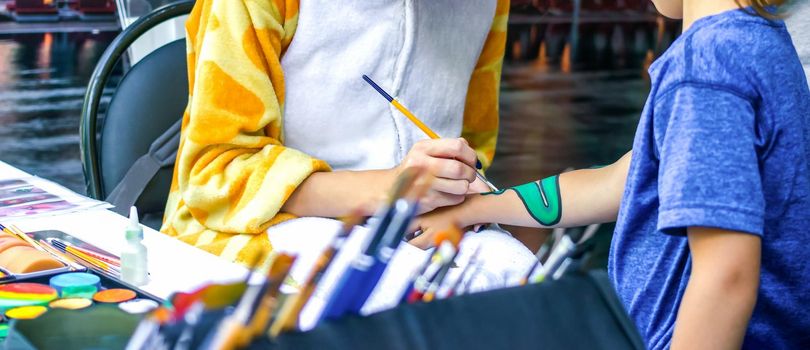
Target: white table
(173, 265)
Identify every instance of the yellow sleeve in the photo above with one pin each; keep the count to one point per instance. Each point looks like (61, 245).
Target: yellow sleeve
(481, 107)
(233, 173)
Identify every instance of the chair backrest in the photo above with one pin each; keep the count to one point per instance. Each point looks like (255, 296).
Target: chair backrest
(150, 97)
(148, 100)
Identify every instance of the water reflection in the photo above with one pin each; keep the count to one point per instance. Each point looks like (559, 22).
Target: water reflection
(574, 107)
(564, 103)
(42, 82)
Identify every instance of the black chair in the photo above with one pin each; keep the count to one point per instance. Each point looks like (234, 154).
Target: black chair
(150, 98)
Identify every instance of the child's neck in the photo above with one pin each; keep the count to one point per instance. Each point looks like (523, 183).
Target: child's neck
(694, 10)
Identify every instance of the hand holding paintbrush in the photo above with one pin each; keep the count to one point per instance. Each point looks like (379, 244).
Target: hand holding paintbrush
(443, 158)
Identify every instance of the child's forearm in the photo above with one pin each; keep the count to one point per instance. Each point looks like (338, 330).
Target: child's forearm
(574, 198)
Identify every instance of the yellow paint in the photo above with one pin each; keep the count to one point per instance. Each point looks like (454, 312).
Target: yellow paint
(71, 303)
(26, 312)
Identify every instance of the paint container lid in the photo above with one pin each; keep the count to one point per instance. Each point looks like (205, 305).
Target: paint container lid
(76, 284)
(114, 295)
(26, 312)
(71, 303)
(138, 306)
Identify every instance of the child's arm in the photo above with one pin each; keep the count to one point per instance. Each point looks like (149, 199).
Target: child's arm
(722, 290)
(574, 198)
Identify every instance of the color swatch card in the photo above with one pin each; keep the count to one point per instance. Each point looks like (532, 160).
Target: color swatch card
(30, 197)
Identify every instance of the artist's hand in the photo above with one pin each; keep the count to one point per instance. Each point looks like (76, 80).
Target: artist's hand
(451, 161)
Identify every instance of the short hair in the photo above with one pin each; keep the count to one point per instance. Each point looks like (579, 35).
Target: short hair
(762, 7)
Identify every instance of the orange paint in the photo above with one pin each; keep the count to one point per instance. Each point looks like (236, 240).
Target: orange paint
(115, 295)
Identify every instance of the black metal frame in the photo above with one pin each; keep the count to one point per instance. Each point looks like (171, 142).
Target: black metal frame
(95, 88)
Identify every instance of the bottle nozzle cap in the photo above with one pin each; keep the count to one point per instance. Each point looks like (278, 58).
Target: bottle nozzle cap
(134, 230)
(133, 217)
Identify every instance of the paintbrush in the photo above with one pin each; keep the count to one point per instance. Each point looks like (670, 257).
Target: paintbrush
(42, 246)
(100, 256)
(215, 297)
(455, 287)
(445, 251)
(11, 229)
(419, 124)
(589, 232)
(58, 244)
(290, 313)
(262, 312)
(525, 279)
(453, 235)
(74, 265)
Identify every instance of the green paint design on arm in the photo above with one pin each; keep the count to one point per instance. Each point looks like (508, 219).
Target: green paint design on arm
(541, 199)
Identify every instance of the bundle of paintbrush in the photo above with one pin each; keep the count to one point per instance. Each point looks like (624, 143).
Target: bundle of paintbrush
(99, 262)
(217, 316)
(356, 284)
(433, 281)
(558, 254)
(290, 313)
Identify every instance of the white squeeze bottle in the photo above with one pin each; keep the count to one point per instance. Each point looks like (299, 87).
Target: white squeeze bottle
(133, 256)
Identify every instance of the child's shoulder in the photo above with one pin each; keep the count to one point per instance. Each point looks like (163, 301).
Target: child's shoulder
(733, 50)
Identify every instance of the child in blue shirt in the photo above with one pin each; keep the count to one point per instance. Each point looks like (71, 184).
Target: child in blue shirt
(712, 204)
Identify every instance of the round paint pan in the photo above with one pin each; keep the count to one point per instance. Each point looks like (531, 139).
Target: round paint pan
(76, 285)
(138, 306)
(71, 303)
(25, 294)
(26, 312)
(114, 295)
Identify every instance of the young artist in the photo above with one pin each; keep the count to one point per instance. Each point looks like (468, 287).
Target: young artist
(280, 123)
(712, 204)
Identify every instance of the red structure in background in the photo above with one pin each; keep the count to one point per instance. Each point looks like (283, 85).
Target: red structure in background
(567, 6)
(48, 7)
(33, 7)
(96, 7)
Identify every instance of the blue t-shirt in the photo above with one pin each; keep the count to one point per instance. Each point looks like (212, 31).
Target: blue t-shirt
(724, 142)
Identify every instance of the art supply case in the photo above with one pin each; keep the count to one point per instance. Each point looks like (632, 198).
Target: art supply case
(99, 326)
(578, 311)
(44, 277)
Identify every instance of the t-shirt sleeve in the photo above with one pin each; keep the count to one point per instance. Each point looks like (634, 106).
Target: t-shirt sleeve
(709, 170)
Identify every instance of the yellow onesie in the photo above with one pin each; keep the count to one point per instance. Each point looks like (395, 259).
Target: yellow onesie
(235, 167)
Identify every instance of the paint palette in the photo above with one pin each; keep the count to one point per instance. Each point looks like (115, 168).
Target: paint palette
(20, 261)
(73, 291)
(105, 281)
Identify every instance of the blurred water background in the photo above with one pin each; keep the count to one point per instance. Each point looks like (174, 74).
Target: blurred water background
(574, 82)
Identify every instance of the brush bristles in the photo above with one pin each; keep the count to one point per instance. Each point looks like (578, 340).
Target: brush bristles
(452, 234)
(404, 183)
(420, 187)
(355, 218)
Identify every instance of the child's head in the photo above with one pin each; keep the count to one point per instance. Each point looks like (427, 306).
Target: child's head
(674, 8)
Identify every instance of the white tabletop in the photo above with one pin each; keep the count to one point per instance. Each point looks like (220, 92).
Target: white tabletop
(173, 265)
